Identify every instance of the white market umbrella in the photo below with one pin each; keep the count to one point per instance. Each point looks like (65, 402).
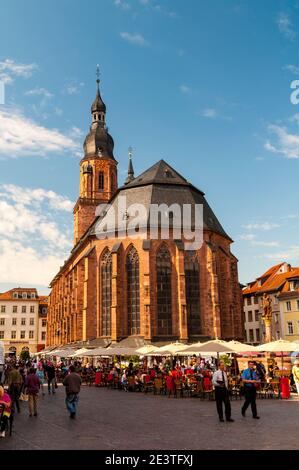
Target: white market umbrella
(78, 353)
(173, 348)
(145, 350)
(279, 345)
(239, 347)
(213, 346)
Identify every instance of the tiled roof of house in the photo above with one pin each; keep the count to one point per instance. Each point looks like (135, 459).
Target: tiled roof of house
(8, 295)
(271, 280)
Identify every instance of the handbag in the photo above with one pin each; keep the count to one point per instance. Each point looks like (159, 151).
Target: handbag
(24, 397)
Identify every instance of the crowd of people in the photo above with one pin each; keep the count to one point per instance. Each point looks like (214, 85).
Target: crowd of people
(198, 377)
(26, 380)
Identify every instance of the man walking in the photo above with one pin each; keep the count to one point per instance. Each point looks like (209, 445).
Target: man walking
(72, 383)
(50, 371)
(15, 383)
(250, 380)
(32, 385)
(220, 383)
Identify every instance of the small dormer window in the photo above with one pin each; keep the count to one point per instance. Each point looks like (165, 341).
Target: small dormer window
(24, 295)
(15, 295)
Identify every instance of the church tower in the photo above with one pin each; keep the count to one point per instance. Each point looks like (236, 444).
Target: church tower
(98, 169)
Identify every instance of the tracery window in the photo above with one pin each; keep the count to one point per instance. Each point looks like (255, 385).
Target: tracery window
(106, 290)
(164, 297)
(192, 293)
(133, 292)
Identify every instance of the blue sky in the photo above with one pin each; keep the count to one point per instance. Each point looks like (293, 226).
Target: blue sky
(204, 85)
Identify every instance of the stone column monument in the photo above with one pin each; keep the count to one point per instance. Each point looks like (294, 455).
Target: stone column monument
(267, 316)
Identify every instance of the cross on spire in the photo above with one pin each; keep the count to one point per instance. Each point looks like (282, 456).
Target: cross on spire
(130, 176)
(98, 74)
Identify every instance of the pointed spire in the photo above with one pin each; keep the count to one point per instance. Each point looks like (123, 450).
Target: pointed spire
(98, 105)
(130, 176)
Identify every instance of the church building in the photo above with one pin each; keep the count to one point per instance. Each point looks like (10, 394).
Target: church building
(122, 285)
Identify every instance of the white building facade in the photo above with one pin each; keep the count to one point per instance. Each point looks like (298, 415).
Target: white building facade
(21, 324)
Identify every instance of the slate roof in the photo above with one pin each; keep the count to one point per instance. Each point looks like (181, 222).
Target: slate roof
(157, 185)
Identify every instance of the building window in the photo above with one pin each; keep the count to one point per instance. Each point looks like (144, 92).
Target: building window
(13, 335)
(256, 300)
(289, 306)
(256, 314)
(14, 321)
(23, 321)
(2, 308)
(23, 308)
(249, 301)
(15, 295)
(133, 292)
(251, 336)
(1, 334)
(22, 334)
(276, 317)
(43, 336)
(24, 295)
(106, 288)
(164, 297)
(249, 316)
(44, 323)
(290, 328)
(32, 309)
(31, 322)
(2, 321)
(31, 334)
(101, 180)
(15, 309)
(192, 294)
(33, 295)
(257, 335)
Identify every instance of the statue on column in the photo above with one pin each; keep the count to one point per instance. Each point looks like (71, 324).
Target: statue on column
(267, 316)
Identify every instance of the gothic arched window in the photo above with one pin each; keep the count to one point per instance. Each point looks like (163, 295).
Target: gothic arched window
(106, 288)
(133, 292)
(101, 180)
(164, 297)
(192, 293)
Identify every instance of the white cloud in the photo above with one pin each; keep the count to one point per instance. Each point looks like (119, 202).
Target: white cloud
(185, 89)
(39, 92)
(28, 196)
(266, 244)
(291, 253)
(20, 136)
(122, 4)
(285, 26)
(32, 242)
(285, 143)
(261, 226)
(247, 237)
(9, 70)
(292, 68)
(209, 113)
(25, 265)
(73, 87)
(136, 39)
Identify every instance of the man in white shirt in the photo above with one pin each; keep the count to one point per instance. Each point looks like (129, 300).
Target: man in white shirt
(220, 383)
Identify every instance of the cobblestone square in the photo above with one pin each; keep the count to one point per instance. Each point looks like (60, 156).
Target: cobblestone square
(116, 420)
